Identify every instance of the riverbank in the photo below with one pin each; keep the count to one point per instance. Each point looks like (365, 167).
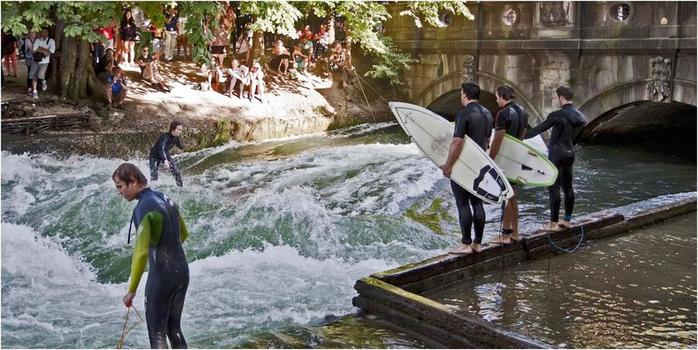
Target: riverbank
(298, 105)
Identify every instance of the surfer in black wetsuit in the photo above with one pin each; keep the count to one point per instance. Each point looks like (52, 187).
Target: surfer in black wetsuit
(567, 123)
(160, 152)
(161, 231)
(476, 122)
(512, 120)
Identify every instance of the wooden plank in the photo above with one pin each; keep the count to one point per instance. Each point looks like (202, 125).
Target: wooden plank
(466, 273)
(50, 116)
(443, 263)
(587, 224)
(451, 319)
(442, 338)
(659, 214)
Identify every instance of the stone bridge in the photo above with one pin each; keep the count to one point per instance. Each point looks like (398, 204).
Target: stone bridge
(632, 65)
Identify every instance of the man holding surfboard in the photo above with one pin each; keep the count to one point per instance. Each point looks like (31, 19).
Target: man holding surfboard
(512, 120)
(567, 123)
(476, 122)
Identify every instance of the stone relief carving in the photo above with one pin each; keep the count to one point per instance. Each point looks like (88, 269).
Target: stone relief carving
(554, 13)
(469, 69)
(659, 86)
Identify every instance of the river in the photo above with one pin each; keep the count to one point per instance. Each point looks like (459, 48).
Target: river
(279, 233)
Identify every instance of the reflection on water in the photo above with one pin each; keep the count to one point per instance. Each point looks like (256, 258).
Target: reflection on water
(637, 290)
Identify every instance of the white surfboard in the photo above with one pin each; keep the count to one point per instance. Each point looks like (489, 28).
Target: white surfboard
(538, 144)
(474, 171)
(523, 164)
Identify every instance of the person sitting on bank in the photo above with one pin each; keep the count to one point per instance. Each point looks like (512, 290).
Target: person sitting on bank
(160, 152)
(149, 70)
(237, 75)
(567, 122)
(116, 88)
(161, 232)
(257, 82)
(280, 57)
(300, 60)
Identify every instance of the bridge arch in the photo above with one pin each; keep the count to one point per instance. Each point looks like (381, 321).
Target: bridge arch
(488, 83)
(627, 109)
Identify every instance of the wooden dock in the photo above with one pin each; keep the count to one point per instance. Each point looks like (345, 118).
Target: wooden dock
(32, 125)
(395, 294)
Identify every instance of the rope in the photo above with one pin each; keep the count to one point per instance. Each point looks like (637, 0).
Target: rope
(552, 243)
(501, 250)
(364, 93)
(374, 89)
(125, 331)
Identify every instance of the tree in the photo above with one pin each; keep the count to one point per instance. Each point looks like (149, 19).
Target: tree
(72, 75)
(277, 17)
(74, 23)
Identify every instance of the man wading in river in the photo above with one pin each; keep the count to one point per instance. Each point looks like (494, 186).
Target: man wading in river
(161, 231)
(476, 122)
(160, 152)
(567, 122)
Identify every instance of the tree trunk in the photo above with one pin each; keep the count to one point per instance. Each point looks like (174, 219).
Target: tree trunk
(66, 68)
(257, 48)
(71, 74)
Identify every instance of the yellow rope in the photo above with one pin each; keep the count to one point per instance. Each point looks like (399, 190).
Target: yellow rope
(125, 331)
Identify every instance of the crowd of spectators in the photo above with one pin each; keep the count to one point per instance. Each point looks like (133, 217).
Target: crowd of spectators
(120, 43)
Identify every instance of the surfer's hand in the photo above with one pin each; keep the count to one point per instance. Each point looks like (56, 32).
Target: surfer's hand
(446, 170)
(167, 163)
(128, 299)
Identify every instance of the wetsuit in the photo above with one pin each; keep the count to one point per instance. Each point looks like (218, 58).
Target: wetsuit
(514, 119)
(161, 232)
(476, 122)
(567, 123)
(161, 151)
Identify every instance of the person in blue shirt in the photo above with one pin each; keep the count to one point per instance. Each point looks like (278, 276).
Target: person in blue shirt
(116, 87)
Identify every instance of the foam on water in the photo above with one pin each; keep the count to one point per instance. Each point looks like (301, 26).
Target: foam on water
(272, 242)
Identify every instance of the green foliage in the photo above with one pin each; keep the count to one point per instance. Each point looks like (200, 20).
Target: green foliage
(272, 16)
(19, 17)
(362, 22)
(80, 18)
(429, 11)
(198, 12)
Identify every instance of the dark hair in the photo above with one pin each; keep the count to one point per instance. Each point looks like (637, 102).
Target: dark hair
(174, 125)
(471, 91)
(125, 21)
(506, 92)
(565, 92)
(129, 173)
(115, 71)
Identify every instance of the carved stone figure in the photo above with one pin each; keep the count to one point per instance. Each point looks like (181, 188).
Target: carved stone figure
(469, 69)
(554, 13)
(659, 86)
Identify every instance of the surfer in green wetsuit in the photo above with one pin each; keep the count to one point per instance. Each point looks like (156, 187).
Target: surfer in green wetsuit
(512, 120)
(476, 122)
(161, 231)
